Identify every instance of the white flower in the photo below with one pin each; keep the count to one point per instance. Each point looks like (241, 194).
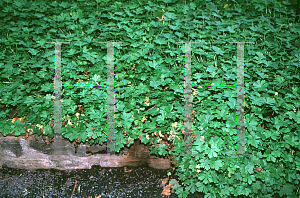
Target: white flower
(160, 134)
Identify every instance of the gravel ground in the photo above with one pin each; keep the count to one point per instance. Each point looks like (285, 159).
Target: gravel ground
(107, 182)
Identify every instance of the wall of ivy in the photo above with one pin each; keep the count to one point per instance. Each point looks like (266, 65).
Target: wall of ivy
(149, 83)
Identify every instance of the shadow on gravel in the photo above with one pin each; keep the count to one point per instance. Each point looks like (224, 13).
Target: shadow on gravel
(95, 182)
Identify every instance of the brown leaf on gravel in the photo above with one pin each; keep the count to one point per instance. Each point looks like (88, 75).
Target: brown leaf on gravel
(167, 189)
(164, 181)
(127, 170)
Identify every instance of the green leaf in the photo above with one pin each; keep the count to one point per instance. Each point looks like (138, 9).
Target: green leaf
(253, 139)
(48, 130)
(191, 188)
(201, 187)
(160, 41)
(44, 114)
(251, 122)
(217, 164)
(96, 79)
(256, 186)
(155, 84)
(47, 87)
(214, 150)
(232, 103)
(287, 189)
(260, 85)
(160, 119)
(294, 116)
(162, 149)
(205, 164)
(218, 50)
(128, 119)
(18, 130)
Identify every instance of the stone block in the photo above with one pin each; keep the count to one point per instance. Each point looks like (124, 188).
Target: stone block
(36, 153)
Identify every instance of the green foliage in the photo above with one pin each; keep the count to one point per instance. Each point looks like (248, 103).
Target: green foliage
(149, 83)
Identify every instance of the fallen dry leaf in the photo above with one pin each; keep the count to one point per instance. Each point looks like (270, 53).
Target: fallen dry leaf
(259, 169)
(164, 181)
(167, 189)
(126, 170)
(162, 17)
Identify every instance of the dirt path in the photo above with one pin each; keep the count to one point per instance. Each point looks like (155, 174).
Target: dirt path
(108, 182)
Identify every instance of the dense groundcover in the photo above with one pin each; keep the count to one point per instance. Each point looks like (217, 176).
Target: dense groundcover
(152, 90)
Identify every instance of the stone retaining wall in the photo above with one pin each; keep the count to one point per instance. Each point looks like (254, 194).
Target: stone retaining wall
(36, 153)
